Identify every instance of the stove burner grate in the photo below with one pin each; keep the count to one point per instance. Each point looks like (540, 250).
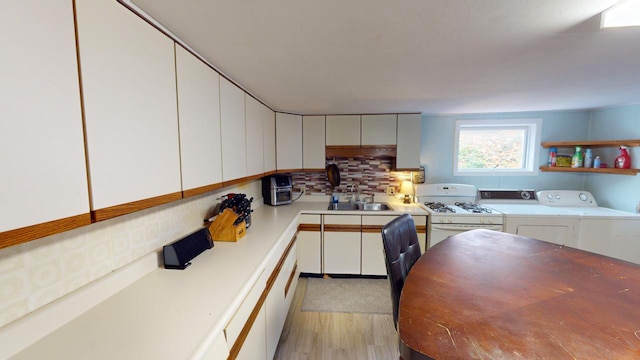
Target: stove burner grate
(473, 208)
(439, 207)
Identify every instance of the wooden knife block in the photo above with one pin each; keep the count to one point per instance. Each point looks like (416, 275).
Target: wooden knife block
(222, 228)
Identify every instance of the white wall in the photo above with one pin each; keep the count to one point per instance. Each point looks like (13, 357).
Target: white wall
(36, 273)
(437, 149)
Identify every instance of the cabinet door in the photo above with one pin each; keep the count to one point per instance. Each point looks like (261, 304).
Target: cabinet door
(234, 151)
(255, 125)
(199, 119)
(277, 304)
(129, 90)
(343, 130)
(379, 129)
(255, 345)
(341, 244)
(289, 144)
(309, 244)
(44, 176)
(372, 249)
(313, 142)
(409, 137)
(269, 144)
(421, 228)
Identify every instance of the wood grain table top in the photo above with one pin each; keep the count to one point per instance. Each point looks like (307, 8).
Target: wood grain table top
(490, 295)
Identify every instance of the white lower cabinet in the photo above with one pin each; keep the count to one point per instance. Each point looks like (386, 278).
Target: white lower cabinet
(341, 245)
(309, 244)
(351, 244)
(372, 248)
(278, 301)
(262, 338)
(255, 345)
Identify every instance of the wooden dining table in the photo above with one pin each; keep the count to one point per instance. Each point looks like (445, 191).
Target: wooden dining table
(484, 294)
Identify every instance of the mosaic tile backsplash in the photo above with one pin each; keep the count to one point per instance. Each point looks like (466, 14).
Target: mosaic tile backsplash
(373, 175)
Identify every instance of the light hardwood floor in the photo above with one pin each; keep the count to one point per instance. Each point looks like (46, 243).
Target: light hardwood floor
(320, 336)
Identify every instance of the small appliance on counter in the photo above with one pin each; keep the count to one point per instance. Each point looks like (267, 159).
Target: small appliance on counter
(277, 190)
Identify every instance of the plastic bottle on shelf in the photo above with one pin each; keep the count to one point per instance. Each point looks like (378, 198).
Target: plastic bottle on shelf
(576, 160)
(553, 153)
(623, 161)
(596, 162)
(588, 158)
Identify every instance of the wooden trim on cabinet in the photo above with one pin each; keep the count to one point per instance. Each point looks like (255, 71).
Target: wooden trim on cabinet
(313, 170)
(420, 229)
(360, 151)
(342, 228)
(123, 209)
(201, 190)
(269, 173)
(33, 232)
(237, 345)
(309, 227)
(286, 171)
(372, 229)
(290, 280)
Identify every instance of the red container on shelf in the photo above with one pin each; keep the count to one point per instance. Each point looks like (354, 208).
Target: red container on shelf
(623, 161)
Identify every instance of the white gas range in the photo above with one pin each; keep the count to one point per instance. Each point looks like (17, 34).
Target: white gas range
(453, 209)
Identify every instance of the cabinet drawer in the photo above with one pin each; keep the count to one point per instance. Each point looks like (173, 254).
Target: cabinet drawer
(342, 220)
(235, 325)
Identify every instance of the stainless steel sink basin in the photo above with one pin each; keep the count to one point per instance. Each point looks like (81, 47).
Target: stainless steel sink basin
(360, 206)
(375, 207)
(343, 206)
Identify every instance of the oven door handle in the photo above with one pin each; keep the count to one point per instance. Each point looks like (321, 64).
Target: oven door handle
(465, 227)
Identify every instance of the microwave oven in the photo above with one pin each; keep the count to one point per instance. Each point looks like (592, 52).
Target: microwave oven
(277, 190)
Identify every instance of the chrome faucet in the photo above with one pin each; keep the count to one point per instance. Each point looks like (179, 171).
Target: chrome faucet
(357, 191)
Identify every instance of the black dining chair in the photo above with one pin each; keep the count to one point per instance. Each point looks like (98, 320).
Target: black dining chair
(401, 250)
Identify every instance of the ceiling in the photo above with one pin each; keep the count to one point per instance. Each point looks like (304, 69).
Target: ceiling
(430, 56)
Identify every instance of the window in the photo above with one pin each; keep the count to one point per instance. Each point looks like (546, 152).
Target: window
(496, 147)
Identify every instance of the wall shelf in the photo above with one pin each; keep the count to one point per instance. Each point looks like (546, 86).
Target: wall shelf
(591, 144)
(591, 170)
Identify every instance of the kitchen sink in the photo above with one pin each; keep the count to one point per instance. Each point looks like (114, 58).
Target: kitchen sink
(360, 206)
(375, 207)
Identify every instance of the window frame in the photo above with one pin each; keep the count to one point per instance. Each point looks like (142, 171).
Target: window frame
(531, 156)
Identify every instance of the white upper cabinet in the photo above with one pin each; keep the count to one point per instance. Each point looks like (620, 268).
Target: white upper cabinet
(255, 124)
(313, 142)
(234, 151)
(379, 129)
(43, 172)
(289, 144)
(343, 130)
(199, 118)
(269, 154)
(129, 88)
(409, 137)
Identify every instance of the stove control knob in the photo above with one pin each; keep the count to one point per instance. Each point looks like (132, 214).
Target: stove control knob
(583, 197)
(557, 196)
(549, 196)
(525, 195)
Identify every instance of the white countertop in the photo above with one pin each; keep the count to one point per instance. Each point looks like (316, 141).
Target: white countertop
(168, 313)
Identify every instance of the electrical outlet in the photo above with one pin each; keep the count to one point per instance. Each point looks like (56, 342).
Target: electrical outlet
(391, 190)
(638, 207)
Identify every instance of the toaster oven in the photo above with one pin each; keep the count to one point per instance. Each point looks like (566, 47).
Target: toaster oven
(277, 190)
